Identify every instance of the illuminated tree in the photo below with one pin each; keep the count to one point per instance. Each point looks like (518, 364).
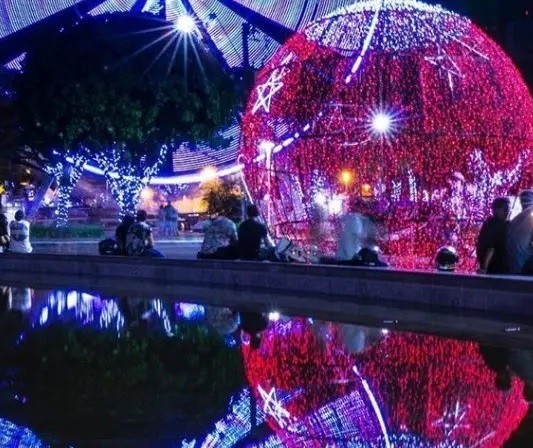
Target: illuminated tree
(121, 90)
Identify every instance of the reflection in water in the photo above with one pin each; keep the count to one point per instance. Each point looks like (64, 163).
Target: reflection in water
(110, 313)
(320, 384)
(325, 385)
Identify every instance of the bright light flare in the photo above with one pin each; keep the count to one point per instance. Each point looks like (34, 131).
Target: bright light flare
(266, 146)
(208, 173)
(274, 316)
(381, 123)
(185, 24)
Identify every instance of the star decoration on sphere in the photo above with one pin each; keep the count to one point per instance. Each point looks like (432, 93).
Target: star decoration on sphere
(267, 90)
(273, 407)
(453, 419)
(446, 66)
(470, 45)
(190, 444)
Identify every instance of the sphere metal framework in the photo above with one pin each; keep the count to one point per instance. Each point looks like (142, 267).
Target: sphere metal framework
(427, 112)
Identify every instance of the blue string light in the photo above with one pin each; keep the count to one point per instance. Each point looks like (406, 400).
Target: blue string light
(66, 171)
(126, 177)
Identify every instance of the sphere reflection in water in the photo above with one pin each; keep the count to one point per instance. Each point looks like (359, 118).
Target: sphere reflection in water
(378, 394)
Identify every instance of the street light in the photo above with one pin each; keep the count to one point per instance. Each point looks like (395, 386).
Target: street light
(208, 173)
(366, 191)
(346, 178)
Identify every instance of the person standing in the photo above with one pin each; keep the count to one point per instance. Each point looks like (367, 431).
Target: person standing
(251, 234)
(20, 235)
(519, 238)
(161, 220)
(490, 248)
(171, 220)
(357, 231)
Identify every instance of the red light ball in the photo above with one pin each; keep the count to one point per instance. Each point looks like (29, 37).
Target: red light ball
(440, 389)
(415, 101)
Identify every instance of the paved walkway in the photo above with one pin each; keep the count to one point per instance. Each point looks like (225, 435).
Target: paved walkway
(185, 247)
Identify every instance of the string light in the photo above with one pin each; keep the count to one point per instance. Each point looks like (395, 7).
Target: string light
(22, 13)
(66, 168)
(13, 435)
(447, 382)
(223, 26)
(405, 94)
(126, 177)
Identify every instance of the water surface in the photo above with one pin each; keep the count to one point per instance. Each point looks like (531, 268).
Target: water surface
(80, 369)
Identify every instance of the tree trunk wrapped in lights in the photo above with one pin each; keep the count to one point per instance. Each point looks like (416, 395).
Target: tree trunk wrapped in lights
(127, 177)
(67, 172)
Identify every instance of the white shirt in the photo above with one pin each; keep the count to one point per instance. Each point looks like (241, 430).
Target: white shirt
(357, 232)
(20, 237)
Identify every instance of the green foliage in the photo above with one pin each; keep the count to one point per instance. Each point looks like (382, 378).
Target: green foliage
(86, 371)
(224, 197)
(101, 85)
(70, 231)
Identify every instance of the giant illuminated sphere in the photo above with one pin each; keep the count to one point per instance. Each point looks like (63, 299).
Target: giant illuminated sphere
(315, 390)
(408, 105)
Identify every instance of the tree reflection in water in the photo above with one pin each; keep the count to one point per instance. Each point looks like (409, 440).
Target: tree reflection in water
(310, 383)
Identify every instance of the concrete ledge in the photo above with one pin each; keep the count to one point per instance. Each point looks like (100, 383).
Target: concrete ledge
(509, 295)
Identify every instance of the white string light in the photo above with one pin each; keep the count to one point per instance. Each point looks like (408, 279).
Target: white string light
(127, 178)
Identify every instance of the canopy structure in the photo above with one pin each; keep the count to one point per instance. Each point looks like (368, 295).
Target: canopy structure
(242, 34)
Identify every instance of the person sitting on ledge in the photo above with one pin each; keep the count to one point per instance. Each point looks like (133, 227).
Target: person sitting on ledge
(4, 233)
(220, 239)
(139, 239)
(122, 232)
(251, 234)
(490, 248)
(20, 235)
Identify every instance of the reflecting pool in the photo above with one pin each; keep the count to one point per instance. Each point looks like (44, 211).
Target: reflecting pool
(82, 370)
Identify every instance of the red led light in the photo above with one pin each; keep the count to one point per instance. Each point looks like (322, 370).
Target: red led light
(437, 388)
(416, 101)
